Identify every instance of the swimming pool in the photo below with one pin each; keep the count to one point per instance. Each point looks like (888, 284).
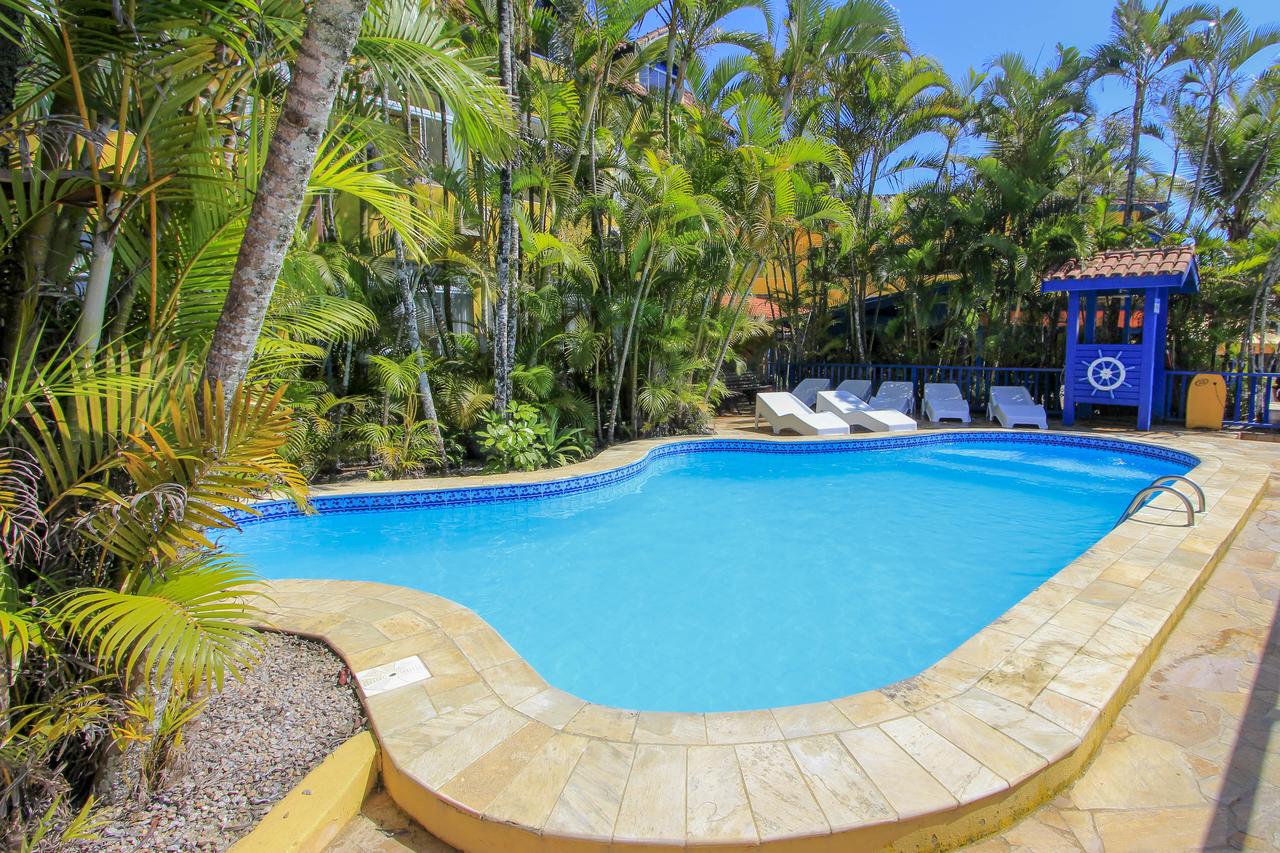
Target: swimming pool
(728, 575)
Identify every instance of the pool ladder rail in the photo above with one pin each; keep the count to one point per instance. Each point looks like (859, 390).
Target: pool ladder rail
(1166, 485)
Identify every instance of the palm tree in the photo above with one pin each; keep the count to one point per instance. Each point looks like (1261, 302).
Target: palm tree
(1243, 169)
(816, 35)
(313, 84)
(1218, 52)
(666, 220)
(1144, 45)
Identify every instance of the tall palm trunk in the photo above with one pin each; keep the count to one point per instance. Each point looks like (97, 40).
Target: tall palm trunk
(404, 276)
(737, 315)
(626, 344)
(504, 305)
(326, 45)
(667, 93)
(1209, 125)
(588, 115)
(1135, 136)
(93, 311)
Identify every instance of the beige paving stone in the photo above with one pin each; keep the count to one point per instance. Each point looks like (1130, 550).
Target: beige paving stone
(919, 692)
(956, 674)
(1042, 736)
(404, 624)
(1071, 714)
(449, 692)
(1137, 772)
(987, 648)
(1082, 618)
(442, 762)
(589, 804)
(1001, 753)
(907, 786)
(654, 805)
(867, 709)
(1033, 834)
(1019, 678)
(599, 721)
(742, 727)
(1052, 644)
(514, 681)
(718, 809)
(661, 727)
(1089, 680)
(425, 645)
(844, 792)
(1155, 830)
(781, 802)
(460, 621)
(553, 707)
(1159, 595)
(1023, 619)
(404, 707)
(814, 719)
(534, 791)
(1106, 594)
(484, 648)
(1081, 825)
(1115, 644)
(963, 775)
(487, 777)
(421, 735)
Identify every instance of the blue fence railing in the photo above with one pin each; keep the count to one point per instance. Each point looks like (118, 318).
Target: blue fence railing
(1044, 383)
(1251, 397)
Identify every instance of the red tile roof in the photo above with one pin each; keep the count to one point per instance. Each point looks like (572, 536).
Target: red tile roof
(1128, 263)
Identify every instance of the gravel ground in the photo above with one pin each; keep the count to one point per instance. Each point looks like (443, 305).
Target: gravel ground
(252, 743)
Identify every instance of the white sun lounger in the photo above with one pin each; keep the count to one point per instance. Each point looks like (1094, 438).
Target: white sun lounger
(1012, 405)
(860, 388)
(944, 400)
(856, 413)
(807, 390)
(896, 397)
(785, 411)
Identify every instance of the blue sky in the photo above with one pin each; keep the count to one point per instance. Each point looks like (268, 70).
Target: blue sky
(964, 34)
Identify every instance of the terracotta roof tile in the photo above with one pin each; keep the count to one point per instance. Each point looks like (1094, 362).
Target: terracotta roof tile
(1128, 263)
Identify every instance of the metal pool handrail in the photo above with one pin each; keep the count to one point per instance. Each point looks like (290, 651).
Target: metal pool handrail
(1158, 486)
(1178, 478)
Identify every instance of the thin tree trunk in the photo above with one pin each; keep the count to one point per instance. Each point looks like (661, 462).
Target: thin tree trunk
(409, 302)
(588, 114)
(322, 55)
(506, 204)
(1139, 96)
(1200, 167)
(626, 345)
(724, 345)
(93, 311)
(13, 286)
(670, 58)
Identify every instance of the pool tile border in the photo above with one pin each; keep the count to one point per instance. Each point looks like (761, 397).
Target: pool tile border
(488, 756)
(483, 494)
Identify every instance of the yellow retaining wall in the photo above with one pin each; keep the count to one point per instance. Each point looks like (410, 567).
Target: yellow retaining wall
(310, 815)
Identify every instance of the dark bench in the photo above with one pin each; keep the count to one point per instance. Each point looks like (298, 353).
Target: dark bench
(742, 388)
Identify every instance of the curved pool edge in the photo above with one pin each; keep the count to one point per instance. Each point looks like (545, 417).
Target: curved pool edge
(625, 462)
(488, 757)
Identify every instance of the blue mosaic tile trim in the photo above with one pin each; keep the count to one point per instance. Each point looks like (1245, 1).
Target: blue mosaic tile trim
(271, 510)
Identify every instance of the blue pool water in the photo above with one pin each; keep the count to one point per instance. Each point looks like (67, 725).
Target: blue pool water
(721, 581)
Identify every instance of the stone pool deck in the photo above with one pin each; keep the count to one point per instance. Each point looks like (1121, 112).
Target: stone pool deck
(482, 752)
(1191, 762)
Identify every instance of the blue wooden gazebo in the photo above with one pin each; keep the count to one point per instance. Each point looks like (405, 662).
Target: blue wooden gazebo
(1122, 366)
